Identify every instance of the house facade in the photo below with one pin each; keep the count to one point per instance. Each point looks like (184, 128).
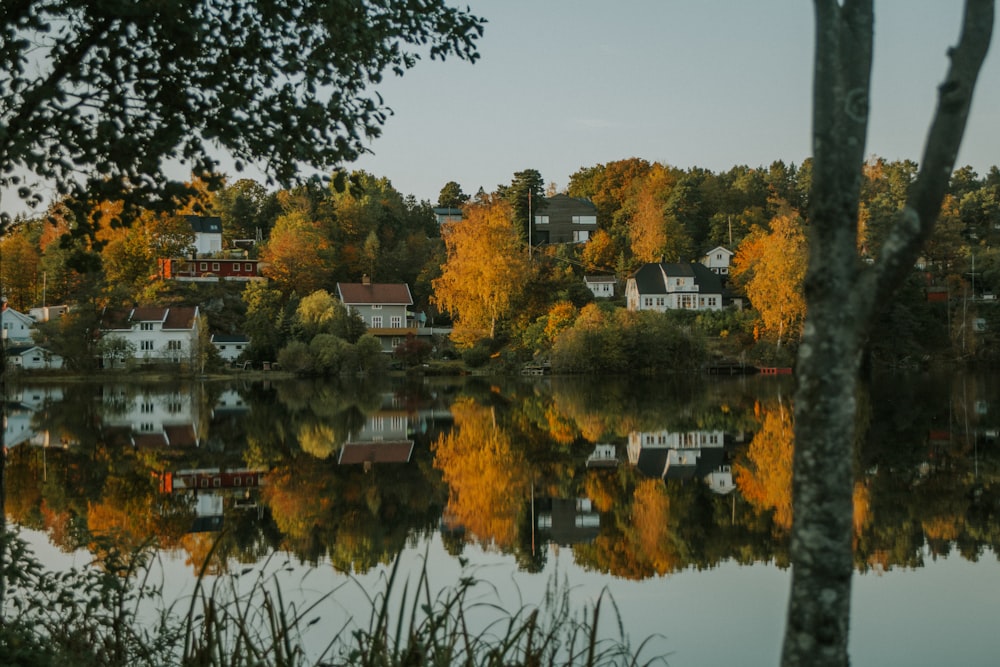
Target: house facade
(674, 286)
(155, 334)
(207, 234)
(17, 327)
(602, 287)
(230, 346)
(205, 269)
(563, 219)
(717, 260)
(384, 309)
(32, 357)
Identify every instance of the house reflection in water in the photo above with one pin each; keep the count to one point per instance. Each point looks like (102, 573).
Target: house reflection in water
(151, 420)
(566, 521)
(700, 454)
(208, 489)
(384, 438)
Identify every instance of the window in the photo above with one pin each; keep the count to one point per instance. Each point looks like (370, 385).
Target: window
(215, 266)
(376, 321)
(146, 345)
(584, 219)
(173, 345)
(660, 301)
(541, 219)
(376, 306)
(648, 301)
(248, 267)
(581, 235)
(395, 321)
(146, 407)
(203, 266)
(145, 326)
(236, 267)
(396, 342)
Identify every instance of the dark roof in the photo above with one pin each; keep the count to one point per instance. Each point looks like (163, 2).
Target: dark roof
(599, 279)
(356, 294)
(230, 338)
(18, 350)
(649, 277)
(205, 224)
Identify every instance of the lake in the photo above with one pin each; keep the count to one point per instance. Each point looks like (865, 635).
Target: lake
(670, 493)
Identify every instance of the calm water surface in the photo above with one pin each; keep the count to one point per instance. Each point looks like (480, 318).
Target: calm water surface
(673, 494)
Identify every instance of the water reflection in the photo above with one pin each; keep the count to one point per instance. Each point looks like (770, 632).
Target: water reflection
(639, 478)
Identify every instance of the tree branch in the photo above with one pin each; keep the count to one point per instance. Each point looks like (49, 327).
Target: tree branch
(916, 221)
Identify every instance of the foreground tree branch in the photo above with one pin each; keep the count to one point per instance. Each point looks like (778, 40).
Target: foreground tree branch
(843, 297)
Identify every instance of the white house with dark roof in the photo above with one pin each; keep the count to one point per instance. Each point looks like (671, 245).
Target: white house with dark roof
(670, 286)
(230, 346)
(155, 333)
(384, 309)
(207, 234)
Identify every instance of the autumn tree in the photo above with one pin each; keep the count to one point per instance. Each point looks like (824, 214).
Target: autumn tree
(771, 267)
(656, 235)
(295, 257)
(484, 272)
(843, 297)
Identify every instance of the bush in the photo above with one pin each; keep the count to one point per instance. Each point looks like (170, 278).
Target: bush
(297, 358)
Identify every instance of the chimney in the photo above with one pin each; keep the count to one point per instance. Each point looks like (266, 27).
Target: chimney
(365, 280)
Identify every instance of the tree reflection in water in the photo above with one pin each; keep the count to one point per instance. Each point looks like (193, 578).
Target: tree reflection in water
(639, 477)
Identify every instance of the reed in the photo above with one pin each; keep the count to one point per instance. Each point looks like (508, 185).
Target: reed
(90, 617)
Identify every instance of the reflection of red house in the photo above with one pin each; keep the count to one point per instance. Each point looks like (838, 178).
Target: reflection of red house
(210, 268)
(184, 480)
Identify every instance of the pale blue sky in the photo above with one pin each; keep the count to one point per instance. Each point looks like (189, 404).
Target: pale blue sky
(565, 84)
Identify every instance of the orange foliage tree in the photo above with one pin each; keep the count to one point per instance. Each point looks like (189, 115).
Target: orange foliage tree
(487, 479)
(764, 475)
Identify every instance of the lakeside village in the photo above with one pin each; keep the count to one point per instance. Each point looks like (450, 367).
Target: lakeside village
(321, 282)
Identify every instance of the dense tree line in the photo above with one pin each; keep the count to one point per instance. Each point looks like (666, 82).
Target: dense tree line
(498, 297)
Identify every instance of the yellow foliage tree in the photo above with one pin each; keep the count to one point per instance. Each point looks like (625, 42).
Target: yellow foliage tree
(487, 480)
(295, 255)
(771, 266)
(655, 234)
(485, 270)
(764, 477)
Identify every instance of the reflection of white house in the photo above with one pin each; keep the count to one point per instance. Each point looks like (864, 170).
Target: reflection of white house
(681, 455)
(567, 521)
(603, 456)
(150, 420)
(155, 333)
(17, 327)
(669, 286)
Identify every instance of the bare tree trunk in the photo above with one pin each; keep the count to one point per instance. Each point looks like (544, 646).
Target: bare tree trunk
(842, 298)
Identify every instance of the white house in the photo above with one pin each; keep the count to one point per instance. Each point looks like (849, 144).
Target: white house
(669, 286)
(17, 327)
(230, 346)
(207, 234)
(717, 260)
(32, 357)
(154, 333)
(682, 455)
(602, 287)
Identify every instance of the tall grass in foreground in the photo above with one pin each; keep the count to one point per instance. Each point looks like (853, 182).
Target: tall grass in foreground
(91, 617)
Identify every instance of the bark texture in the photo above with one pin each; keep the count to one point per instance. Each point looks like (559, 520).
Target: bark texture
(842, 295)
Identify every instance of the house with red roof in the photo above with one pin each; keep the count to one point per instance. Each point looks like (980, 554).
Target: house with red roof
(151, 334)
(384, 307)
